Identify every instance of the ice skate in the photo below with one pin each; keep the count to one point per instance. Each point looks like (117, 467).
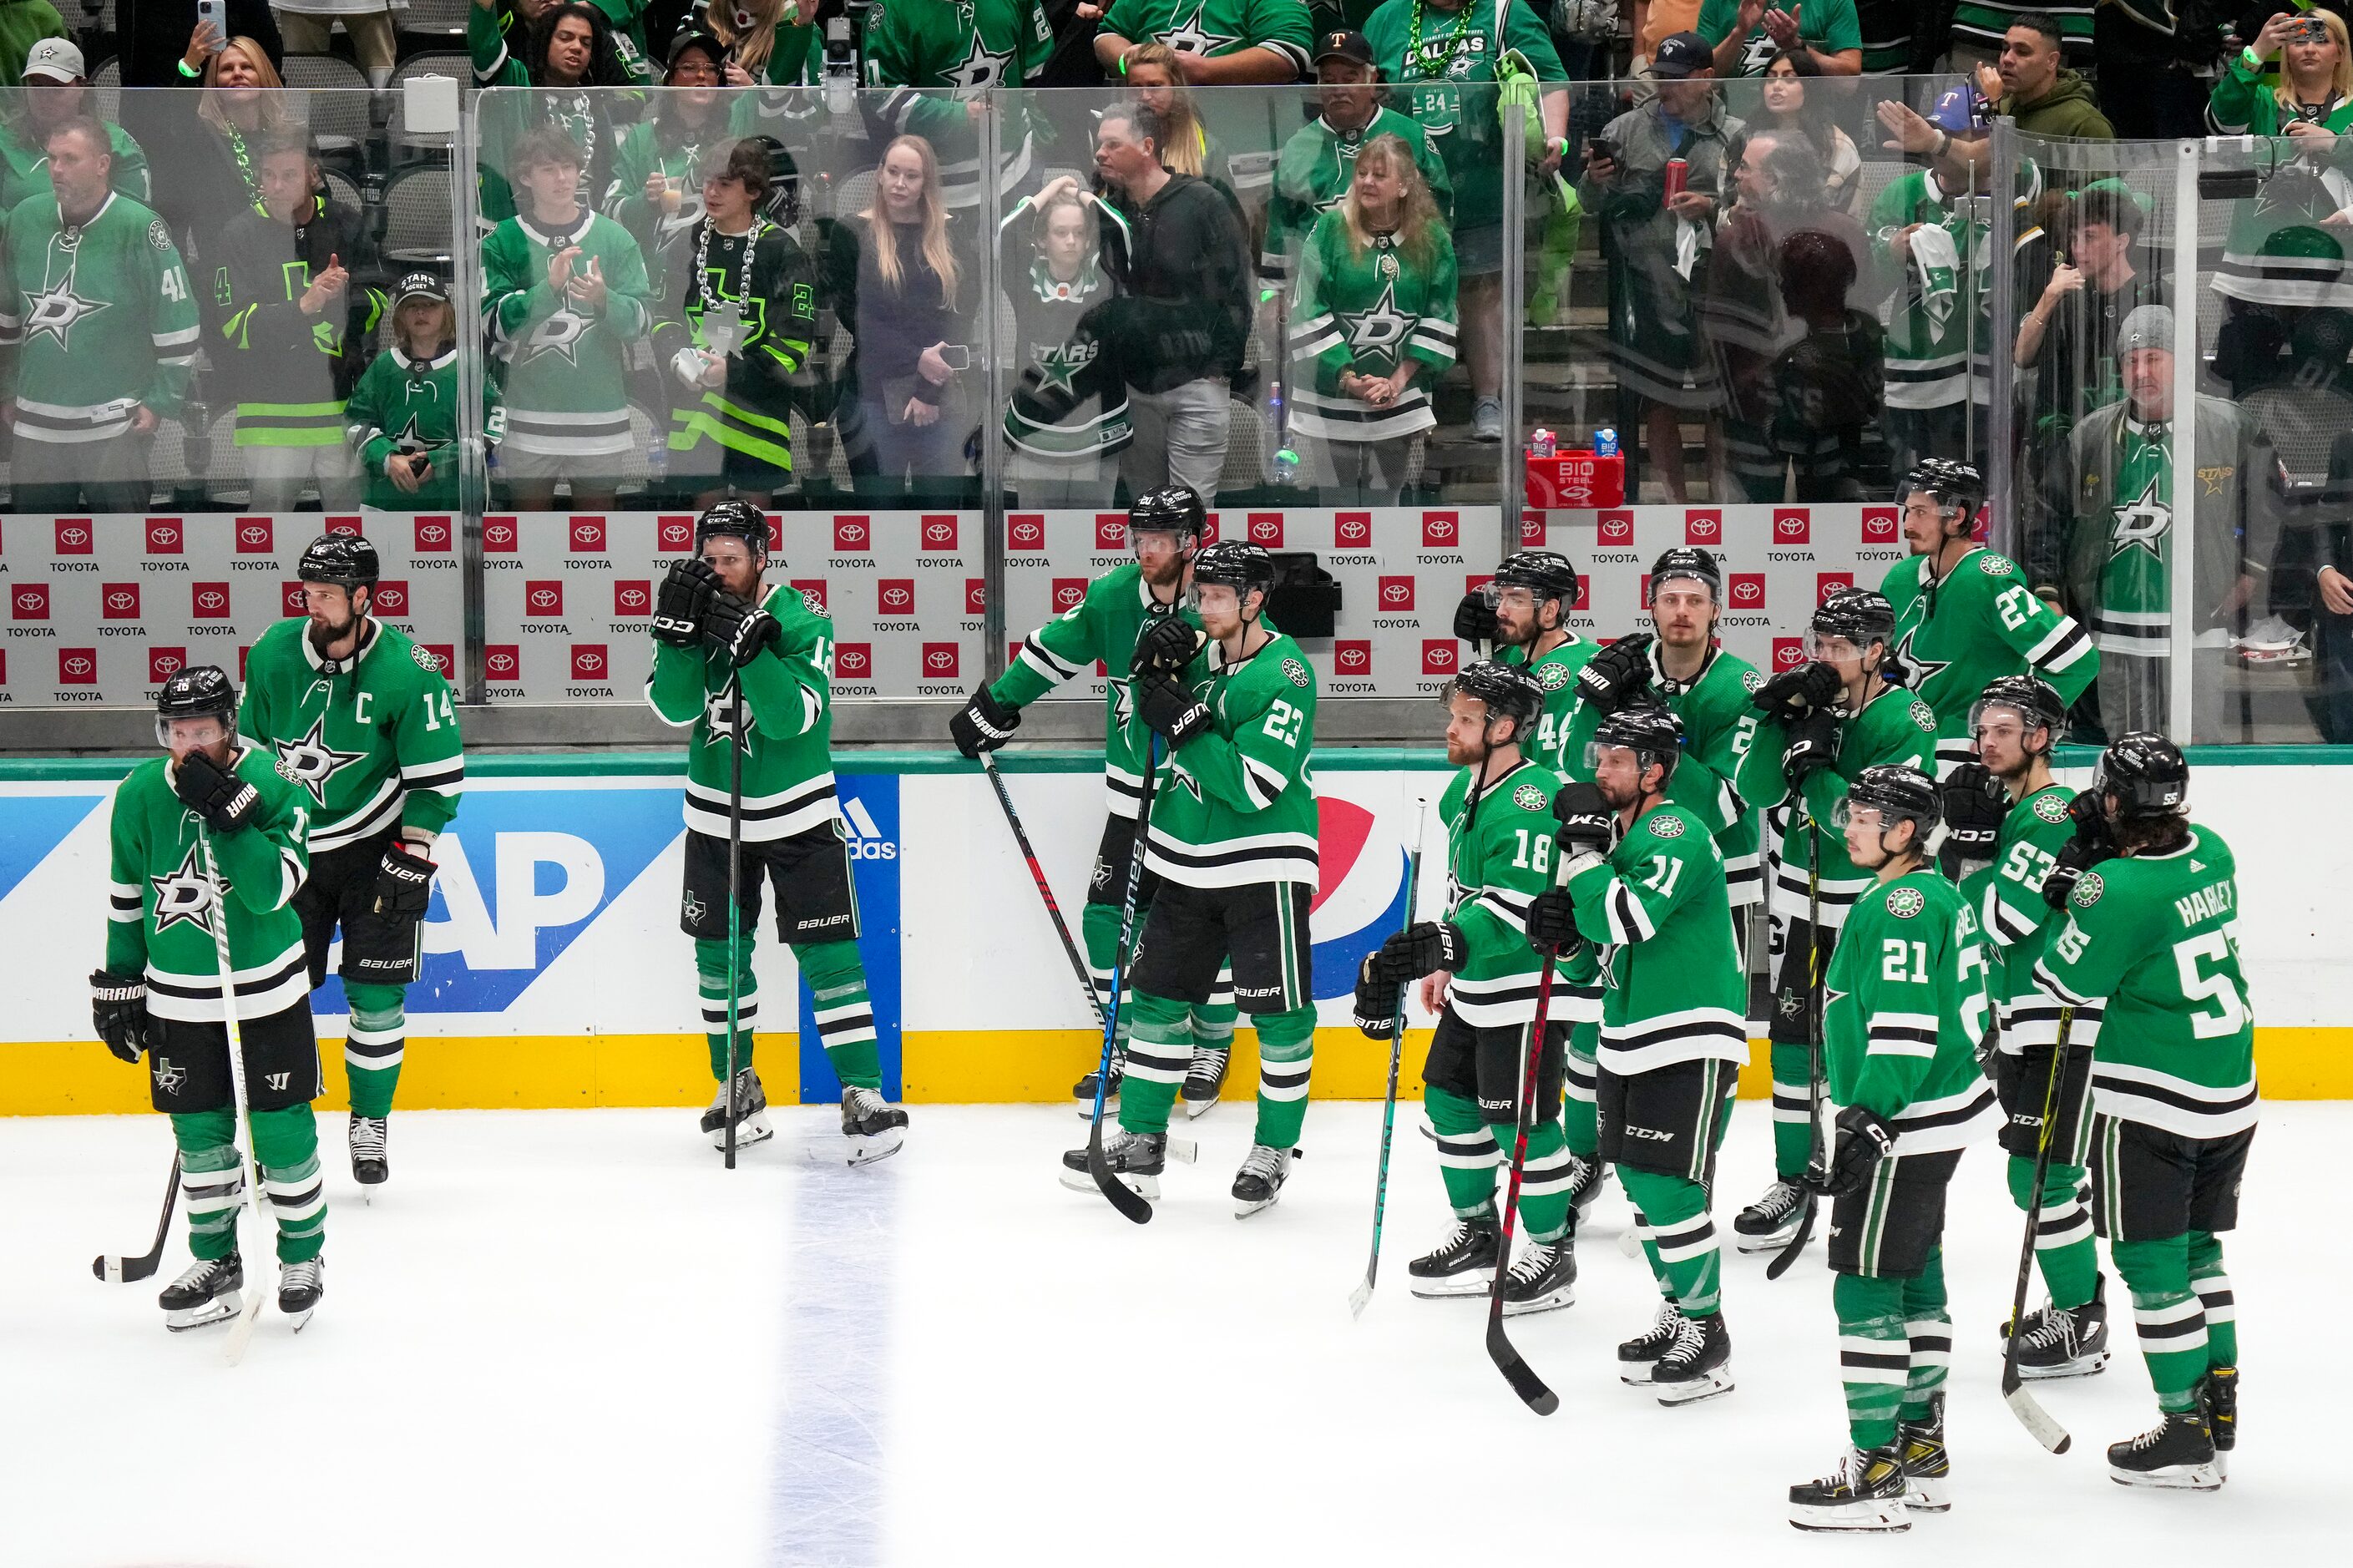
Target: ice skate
(1584, 1187)
(1203, 1080)
(206, 1292)
(1135, 1158)
(2057, 1343)
(1544, 1278)
(751, 1113)
(370, 1164)
(1698, 1365)
(875, 1128)
(1259, 1180)
(2178, 1452)
(1927, 1468)
(1865, 1492)
(1769, 1222)
(2218, 1395)
(1638, 1358)
(1085, 1089)
(1463, 1264)
(300, 1286)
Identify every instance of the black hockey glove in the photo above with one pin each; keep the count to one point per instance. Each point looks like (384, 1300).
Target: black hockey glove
(1377, 1000)
(1585, 819)
(1167, 646)
(404, 884)
(984, 723)
(117, 1006)
(1813, 746)
(1423, 948)
(2092, 842)
(1794, 693)
(225, 801)
(1474, 619)
(685, 600)
(1863, 1138)
(1552, 922)
(1615, 674)
(2024, 1079)
(1169, 706)
(1974, 806)
(739, 627)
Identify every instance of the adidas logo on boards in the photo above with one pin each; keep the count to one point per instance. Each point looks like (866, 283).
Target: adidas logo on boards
(865, 835)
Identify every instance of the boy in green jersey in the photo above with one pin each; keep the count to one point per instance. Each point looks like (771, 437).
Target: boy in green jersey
(932, 67)
(1478, 973)
(1163, 529)
(362, 720)
(403, 415)
(1645, 881)
(162, 992)
(2005, 823)
(751, 666)
(2148, 899)
(1824, 722)
(1232, 838)
(1906, 1007)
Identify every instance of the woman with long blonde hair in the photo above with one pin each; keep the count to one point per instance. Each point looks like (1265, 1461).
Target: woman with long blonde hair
(208, 162)
(1158, 83)
(772, 41)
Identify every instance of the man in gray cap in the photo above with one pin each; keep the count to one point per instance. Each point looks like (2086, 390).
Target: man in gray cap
(56, 88)
(2117, 574)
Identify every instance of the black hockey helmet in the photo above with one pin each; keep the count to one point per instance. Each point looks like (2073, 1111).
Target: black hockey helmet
(1687, 561)
(1171, 509)
(1648, 729)
(198, 691)
(1241, 567)
(1546, 574)
(343, 561)
(733, 518)
(1898, 792)
(1958, 487)
(2146, 773)
(2038, 707)
(1508, 691)
(1860, 616)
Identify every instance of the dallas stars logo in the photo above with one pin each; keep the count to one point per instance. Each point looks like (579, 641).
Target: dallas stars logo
(410, 440)
(1190, 36)
(1923, 669)
(559, 334)
(1382, 329)
(2141, 524)
(169, 1078)
(184, 894)
(57, 310)
(724, 714)
(1060, 366)
(981, 71)
(310, 761)
(1756, 53)
(1123, 702)
(695, 909)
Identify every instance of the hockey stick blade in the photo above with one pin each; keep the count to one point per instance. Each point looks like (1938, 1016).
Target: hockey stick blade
(124, 1270)
(1518, 1372)
(2033, 1417)
(1788, 1255)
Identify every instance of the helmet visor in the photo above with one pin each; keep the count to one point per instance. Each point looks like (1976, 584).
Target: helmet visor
(1832, 647)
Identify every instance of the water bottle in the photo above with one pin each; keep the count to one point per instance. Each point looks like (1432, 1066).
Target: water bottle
(1286, 462)
(1286, 469)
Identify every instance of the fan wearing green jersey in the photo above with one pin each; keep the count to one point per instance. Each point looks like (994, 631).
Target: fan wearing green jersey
(1221, 42)
(1965, 614)
(1059, 256)
(1905, 1006)
(657, 188)
(403, 415)
(747, 666)
(1313, 172)
(57, 87)
(2007, 822)
(1164, 530)
(1643, 881)
(1232, 838)
(571, 53)
(1824, 722)
(770, 41)
(2148, 900)
(162, 992)
(1478, 973)
(1747, 34)
(931, 68)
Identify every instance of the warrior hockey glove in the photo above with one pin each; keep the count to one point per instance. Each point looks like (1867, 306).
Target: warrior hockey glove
(1813, 746)
(1974, 806)
(1377, 999)
(1552, 922)
(1422, 948)
(984, 723)
(1170, 706)
(685, 600)
(225, 801)
(1167, 646)
(1474, 619)
(1794, 693)
(404, 884)
(1865, 1138)
(740, 627)
(117, 1006)
(1585, 818)
(1616, 673)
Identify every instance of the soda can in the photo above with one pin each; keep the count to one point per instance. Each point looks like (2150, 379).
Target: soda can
(1678, 175)
(1542, 443)
(1605, 442)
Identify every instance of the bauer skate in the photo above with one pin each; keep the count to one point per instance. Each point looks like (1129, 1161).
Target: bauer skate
(1769, 1222)
(2056, 1341)
(1085, 1089)
(371, 1165)
(1864, 1491)
(1137, 1159)
(876, 1128)
(1543, 1278)
(751, 1113)
(1927, 1468)
(1698, 1365)
(1463, 1264)
(1638, 1358)
(2218, 1395)
(1204, 1079)
(2178, 1452)
(206, 1292)
(1259, 1180)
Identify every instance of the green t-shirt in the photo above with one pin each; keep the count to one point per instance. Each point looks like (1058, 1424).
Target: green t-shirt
(1214, 27)
(1441, 67)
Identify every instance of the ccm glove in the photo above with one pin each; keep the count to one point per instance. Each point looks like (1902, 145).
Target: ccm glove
(1813, 746)
(1167, 646)
(1863, 1138)
(685, 600)
(225, 801)
(1585, 818)
(1794, 693)
(984, 725)
(404, 884)
(1616, 673)
(1474, 619)
(1974, 806)
(117, 1006)
(1170, 706)
(1423, 948)
(1377, 1000)
(740, 627)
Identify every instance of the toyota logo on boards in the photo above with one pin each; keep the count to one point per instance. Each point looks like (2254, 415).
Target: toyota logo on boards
(1532, 529)
(975, 595)
(1704, 525)
(894, 596)
(1879, 525)
(587, 536)
(258, 535)
(499, 535)
(348, 527)
(163, 663)
(1437, 656)
(1353, 657)
(1788, 653)
(543, 597)
(939, 660)
(1441, 531)
(674, 534)
(28, 601)
(587, 661)
(163, 535)
(209, 601)
(391, 597)
(1793, 525)
(75, 536)
(1396, 594)
(854, 660)
(1614, 530)
(939, 531)
(851, 534)
(1111, 531)
(1829, 583)
(1352, 530)
(1266, 528)
(1746, 590)
(290, 599)
(1070, 592)
(435, 535)
(443, 654)
(632, 598)
(77, 667)
(1025, 530)
(503, 662)
(119, 601)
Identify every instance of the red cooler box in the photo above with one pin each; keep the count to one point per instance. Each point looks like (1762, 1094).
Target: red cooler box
(1577, 480)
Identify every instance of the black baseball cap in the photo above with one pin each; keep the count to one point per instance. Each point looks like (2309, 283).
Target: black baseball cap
(1680, 54)
(1347, 46)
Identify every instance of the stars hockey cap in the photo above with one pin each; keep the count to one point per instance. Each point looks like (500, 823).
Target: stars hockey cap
(2145, 327)
(420, 286)
(1680, 55)
(55, 60)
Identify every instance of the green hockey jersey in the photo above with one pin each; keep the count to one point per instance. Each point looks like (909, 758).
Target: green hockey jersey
(1674, 988)
(1903, 1007)
(1940, 316)
(757, 292)
(2278, 252)
(24, 163)
(2149, 939)
(2007, 898)
(929, 59)
(1214, 27)
(1556, 672)
(1315, 170)
(161, 904)
(1368, 310)
(1442, 68)
(410, 407)
(582, 113)
(1497, 860)
(778, 708)
(1828, 26)
(1978, 622)
(564, 361)
(372, 741)
(1236, 805)
(675, 150)
(1895, 727)
(94, 326)
(1067, 401)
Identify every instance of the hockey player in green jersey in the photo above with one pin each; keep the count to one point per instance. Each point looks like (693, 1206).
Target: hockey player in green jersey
(402, 417)
(2148, 900)
(362, 720)
(1522, 614)
(1824, 722)
(98, 332)
(1965, 614)
(162, 992)
(564, 294)
(1644, 881)
(1163, 529)
(2005, 823)
(1221, 42)
(1232, 838)
(737, 329)
(1318, 162)
(1906, 1006)
(931, 66)
(750, 665)
(1478, 973)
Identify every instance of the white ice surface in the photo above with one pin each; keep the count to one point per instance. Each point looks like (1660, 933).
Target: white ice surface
(569, 1338)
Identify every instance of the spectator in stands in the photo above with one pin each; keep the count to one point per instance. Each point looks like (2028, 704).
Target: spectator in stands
(655, 193)
(56, 88)
(1059, 256)
(307, 27)
(568, 52)
(2033, 86)
(1828, 384)
(154, 37)
(893, 274)
(625, 20)
(1982, 28)
(1221, 42)
(1372, 328)
(1182, 322)
(1320, 158)
(206, 167)
(1156, 77)
(772, 41)
(933, 67)
(301, 314)
(1656, 244)
(24, 23)
(2164, 59)
(402, 417)
(2312, 586)
(1745, 34)
(1791, 104)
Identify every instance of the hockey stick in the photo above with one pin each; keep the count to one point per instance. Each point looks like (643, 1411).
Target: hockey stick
(126, 1270)
(1780, 1264)
(1500, 1348)
(1045, 888)
(1362, 1296)
(734, 895)
(1125, 1198)
(2022, 1404)
(240, 1333)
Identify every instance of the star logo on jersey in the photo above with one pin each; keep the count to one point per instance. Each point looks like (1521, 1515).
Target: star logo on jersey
(1923, 668)
(310, 761)
(1123, 703)
(559, 334)
(1058, 367)
(56, 311)
(410, 439)
(2088, 888)
(1552, 676)
(1382, 329)
(1832, 998)
(1528, 798)
(724, 715)
(1756, 53)
(1190, 37)
(981, 71)
(184, 894)
(2142, 524)
(1906, 902)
